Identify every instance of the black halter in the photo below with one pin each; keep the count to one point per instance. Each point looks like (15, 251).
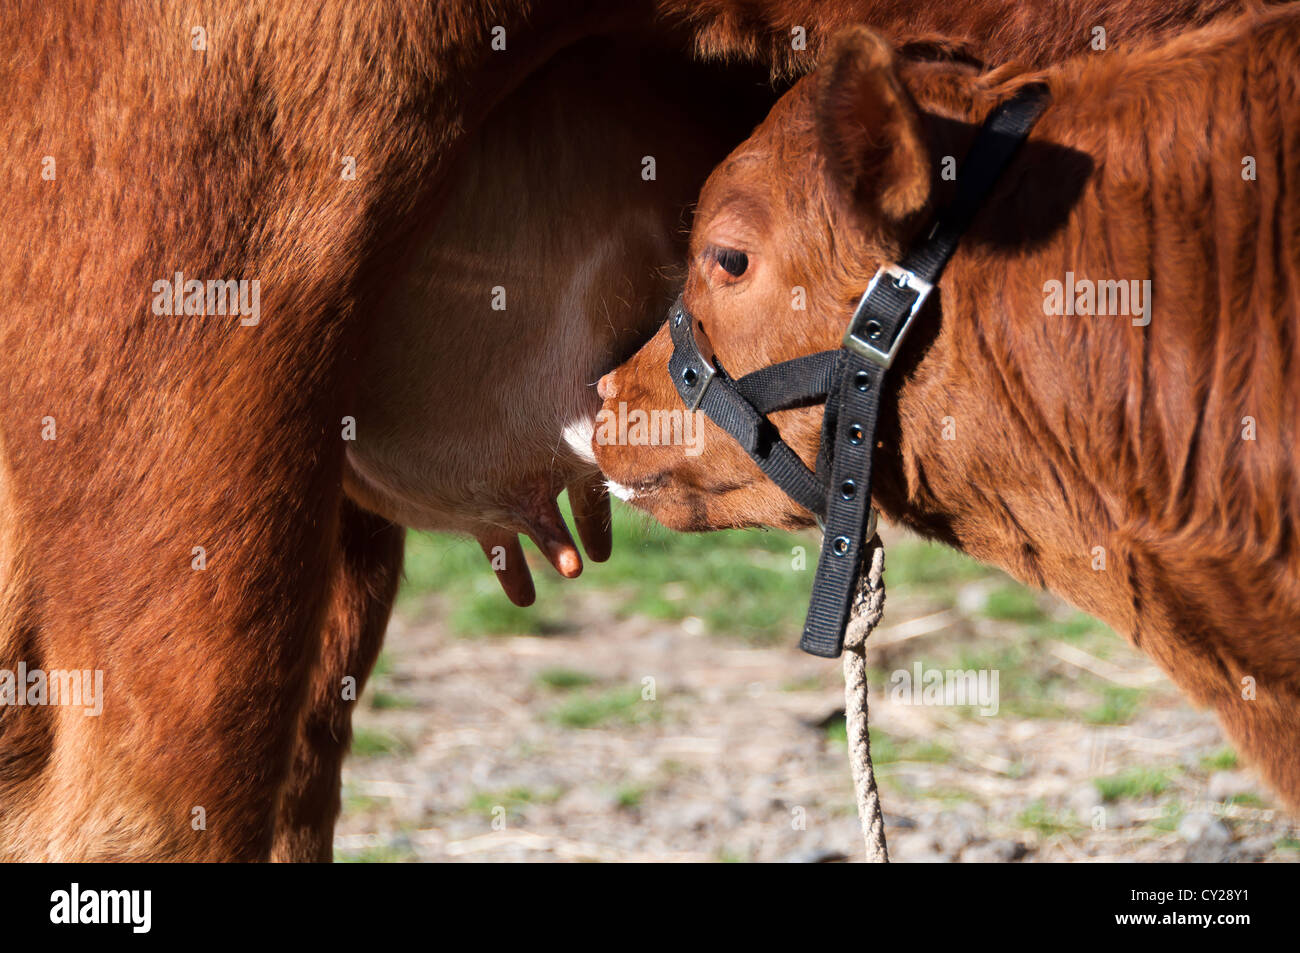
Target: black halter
(848, 381)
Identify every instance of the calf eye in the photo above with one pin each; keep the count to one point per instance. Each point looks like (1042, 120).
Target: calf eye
(733, 262)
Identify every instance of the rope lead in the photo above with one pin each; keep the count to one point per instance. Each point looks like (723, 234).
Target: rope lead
(868, 606)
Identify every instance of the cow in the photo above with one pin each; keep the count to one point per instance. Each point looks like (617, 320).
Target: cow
(214, 223)
(1138, 460)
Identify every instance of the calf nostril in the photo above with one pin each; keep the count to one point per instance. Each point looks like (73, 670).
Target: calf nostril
(606, 388)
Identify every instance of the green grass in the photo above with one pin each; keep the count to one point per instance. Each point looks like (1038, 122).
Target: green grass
(492, 614)
(1133, 783)
(389, 701)
(1247, 799)
(1170, 817)
(740, 583)
(837, 732)
(629, 796)
(368, 743)
(563, 679)
(1083, 628)
(1014, 603)
(917, 563)
(1023, 690)
(886, 749)
(374, 855)
(1037, 817)
(512, 799)
(362, 803)
(743, 585)
(809, 683)
(383, 666)
(1117, 707)
(598, 709)
(931, 752)
(1225, 759)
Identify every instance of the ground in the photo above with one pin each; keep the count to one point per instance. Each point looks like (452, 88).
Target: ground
(657, 709)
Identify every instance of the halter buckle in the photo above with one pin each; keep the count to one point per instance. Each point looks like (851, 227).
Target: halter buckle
(858, 342)
(705, 372)
(692, 370)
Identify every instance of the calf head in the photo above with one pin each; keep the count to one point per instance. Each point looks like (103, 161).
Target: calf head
(787, 234)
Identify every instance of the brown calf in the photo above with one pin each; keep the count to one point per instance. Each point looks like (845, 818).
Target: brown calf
(1147, 472)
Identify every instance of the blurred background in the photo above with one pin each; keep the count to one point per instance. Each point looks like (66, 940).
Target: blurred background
(657, 709)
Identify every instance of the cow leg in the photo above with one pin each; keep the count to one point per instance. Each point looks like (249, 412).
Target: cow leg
(361, 598)
(1266, 729)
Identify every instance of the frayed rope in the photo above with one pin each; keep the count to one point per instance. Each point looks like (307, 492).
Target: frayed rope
(868, 606)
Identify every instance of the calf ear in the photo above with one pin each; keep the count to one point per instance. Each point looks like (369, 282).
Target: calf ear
(869, 128)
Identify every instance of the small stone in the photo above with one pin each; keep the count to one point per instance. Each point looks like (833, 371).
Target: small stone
(955, 832)
(1254, 849)
(1209, 841)
(972, 597)
(694, 625)
(1201, 827)
(1117, 816)
(401, 843)
(1083, 800)
(1225, 785)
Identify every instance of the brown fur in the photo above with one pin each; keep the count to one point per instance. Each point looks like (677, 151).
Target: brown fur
(183, 432)
(1071, 432)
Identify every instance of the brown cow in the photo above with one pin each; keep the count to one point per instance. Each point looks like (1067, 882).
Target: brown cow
(171, 484)
(1143, 466)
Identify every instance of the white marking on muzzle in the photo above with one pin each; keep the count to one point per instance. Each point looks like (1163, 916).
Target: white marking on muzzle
(624, 493)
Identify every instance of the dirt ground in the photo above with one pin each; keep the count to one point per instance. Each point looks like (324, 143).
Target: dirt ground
(635, 739)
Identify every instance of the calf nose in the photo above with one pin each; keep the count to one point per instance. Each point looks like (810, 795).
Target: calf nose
(606, 388)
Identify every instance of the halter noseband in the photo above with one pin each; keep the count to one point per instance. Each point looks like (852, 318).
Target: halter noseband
(848, 380)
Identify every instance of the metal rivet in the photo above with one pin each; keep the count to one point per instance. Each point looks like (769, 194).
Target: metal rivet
(689, 376)
(848, 489)
(862, 381)
(677, 319)
(840, 545)
(874, 329)
(856, 434)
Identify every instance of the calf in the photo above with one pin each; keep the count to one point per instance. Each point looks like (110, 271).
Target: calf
(1142, 465)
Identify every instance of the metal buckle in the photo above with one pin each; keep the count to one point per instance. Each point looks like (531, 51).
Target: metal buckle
(706, 373)
(903, 278)
(701, 368)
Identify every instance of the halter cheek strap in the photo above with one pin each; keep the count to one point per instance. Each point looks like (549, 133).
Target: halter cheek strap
(848, 381)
